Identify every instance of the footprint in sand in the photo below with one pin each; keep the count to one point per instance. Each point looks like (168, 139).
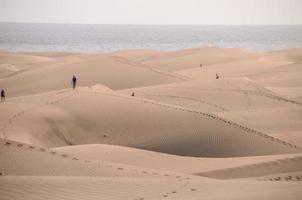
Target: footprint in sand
(19, 145)
(7, 143)
(31, 147)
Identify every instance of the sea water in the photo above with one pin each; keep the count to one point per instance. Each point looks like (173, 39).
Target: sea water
(30, 37)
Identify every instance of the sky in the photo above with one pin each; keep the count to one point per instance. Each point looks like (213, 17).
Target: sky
(204, 12)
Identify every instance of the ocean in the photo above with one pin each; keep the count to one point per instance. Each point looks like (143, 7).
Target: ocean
(27, 37)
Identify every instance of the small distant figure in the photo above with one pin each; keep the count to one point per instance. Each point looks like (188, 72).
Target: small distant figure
(74, 81)
(133, 94)
(200, 65)
(2, 95)
(217, 76)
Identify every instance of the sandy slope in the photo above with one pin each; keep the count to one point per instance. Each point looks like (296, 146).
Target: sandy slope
(280, 70)
(284, 126)
(233, 94)
(90, 115)
(49, 174)
(237, 68)
(189, 165)
(114, 72)
(290, 54)
(136, 54)
(19, 159)
(55, 188)
(282, 76)
(19, 58)
(238, 99)
(264, 168)
(192, 58)
(18, 64)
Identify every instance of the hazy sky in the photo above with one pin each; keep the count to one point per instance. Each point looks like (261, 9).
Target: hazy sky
(153, 11)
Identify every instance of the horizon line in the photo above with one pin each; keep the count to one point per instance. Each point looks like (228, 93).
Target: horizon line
(135, 24)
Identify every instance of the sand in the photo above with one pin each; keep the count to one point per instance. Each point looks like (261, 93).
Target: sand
(183, 135)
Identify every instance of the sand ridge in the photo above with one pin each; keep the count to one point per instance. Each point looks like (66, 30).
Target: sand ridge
(49, 162)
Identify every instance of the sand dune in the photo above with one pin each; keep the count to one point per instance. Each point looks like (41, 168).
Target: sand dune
(286, 126)
(285, 165)
(239, 100)
(93, 115)
(280, 71)
(17, 66)
(283, 76)
(38, 188)
(28, 160)
(294, 93)
(7, 69)
(183, 135)
(294, 55)
(232, 94)
(109, 71)
(238, 68)
(136, 54)
(188, 165)
(192, 58)
(17, 58)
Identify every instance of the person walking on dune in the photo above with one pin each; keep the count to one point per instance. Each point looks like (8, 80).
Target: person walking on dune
(74, 81)
(217, 76)
(2, 95)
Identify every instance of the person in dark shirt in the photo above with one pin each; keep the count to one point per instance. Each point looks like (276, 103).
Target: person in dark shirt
(2, 95)
(74, 81)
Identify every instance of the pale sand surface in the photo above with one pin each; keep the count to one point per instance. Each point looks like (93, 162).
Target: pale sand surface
(189, 165)
(36, 188)
(184, 135)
